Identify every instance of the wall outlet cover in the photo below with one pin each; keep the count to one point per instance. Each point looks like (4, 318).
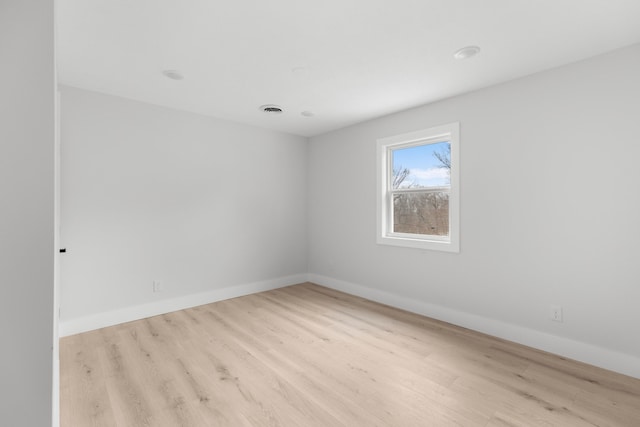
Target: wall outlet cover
(555, 313)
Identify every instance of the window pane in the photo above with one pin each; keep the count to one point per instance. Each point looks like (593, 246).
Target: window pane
(421, 213)
(427, 165)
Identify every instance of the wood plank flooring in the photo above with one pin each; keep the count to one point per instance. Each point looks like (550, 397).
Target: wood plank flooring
(310, 356)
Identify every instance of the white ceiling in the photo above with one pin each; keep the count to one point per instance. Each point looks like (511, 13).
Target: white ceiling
(345, 60)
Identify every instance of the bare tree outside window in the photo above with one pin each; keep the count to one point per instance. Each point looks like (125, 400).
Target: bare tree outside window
(422, 212)
(399, 175)
(444, 156)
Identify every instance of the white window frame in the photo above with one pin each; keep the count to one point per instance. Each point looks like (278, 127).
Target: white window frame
(385, 235)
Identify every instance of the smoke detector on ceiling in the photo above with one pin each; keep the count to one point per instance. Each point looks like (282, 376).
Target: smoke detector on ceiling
(271, 109)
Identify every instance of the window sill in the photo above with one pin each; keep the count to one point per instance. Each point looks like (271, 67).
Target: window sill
(428, 244)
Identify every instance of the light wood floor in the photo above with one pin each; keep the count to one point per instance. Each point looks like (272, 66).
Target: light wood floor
(310, 356)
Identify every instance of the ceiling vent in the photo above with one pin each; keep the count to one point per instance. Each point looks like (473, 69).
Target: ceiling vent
(271, 109)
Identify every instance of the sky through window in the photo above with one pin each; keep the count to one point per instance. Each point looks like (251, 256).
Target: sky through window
(425, 170)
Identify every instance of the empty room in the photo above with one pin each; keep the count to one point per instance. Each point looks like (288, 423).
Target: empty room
(343, 213)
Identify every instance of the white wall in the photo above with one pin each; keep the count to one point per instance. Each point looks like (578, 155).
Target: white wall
(550, 212)
(209, 208)
(27, 87)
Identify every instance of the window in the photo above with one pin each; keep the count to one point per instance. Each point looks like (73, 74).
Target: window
(418, 189)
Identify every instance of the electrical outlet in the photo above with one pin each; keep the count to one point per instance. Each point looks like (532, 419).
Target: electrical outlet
(157, 286)
(555, 313)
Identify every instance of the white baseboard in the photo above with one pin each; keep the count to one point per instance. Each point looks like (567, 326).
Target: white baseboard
(128, 314)
(588, 353)
(584, 352)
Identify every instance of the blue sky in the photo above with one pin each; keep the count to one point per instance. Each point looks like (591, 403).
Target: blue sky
(426, 170)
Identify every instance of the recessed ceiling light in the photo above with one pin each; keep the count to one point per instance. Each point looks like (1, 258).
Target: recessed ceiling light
(173, 74)
(466, 52)
(271, 109)
(307, 113)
